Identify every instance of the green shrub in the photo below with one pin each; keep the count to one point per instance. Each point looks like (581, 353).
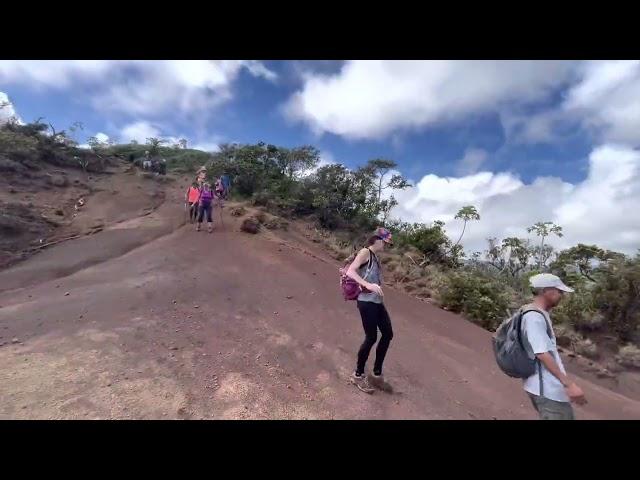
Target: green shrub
(262, 199)
(578, 310)
(617, 295)
(484, 300)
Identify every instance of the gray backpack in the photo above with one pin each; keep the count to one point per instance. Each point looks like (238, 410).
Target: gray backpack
(513, 352)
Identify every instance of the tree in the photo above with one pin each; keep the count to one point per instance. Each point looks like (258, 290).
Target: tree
(183, 143)
(35, 129)
(617, 295)
(581, 258)
(518, 256)
(385, 208)
(495, 254)
(99, 148)
(542, 254)
(332, 195)
(379, 168)
(154, 145)
(83, 162)
(374, 183)
(95, 144)
(300, 159)
(75, 126)
(466, 214)
(543, 230)
(60, 136)
(431, 240)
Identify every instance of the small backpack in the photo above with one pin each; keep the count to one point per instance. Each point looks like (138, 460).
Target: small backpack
(351, 289)
(512, 350)
(206, 196)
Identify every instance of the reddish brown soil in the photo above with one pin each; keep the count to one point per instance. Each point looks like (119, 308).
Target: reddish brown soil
(149, 319)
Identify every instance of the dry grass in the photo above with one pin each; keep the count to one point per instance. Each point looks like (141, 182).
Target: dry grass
(238, 212)
(629, 356)
(261, 217)
(587, 348)
(566, 336)
(277, 223)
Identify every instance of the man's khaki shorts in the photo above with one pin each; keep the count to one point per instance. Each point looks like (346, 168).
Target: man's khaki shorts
(550, 409)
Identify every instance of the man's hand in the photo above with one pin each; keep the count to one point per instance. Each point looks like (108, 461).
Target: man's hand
(575, 393)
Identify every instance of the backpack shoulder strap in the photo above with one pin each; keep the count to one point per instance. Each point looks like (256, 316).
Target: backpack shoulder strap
(527, 310)
(548, 333)
(375, 257)
(371, 257)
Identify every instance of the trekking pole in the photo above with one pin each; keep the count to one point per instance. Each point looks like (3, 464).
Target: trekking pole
(221, 220)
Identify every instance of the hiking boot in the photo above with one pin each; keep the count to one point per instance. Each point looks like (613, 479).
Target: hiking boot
(380, 383)
(362, 383)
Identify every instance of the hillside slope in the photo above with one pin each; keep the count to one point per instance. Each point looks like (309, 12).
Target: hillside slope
(157, 321)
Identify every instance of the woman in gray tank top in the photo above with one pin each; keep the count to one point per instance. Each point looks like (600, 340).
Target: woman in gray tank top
(367, 271)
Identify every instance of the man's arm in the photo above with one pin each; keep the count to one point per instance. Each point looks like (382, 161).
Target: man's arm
(574, 392)
(550, 363)
(535, 326)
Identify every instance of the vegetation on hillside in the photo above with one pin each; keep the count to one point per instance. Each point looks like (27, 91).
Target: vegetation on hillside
(347, 204)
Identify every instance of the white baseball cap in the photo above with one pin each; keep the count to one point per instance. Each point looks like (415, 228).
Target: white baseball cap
(547, 280)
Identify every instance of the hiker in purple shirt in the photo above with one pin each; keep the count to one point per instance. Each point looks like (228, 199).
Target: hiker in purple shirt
(205, 206)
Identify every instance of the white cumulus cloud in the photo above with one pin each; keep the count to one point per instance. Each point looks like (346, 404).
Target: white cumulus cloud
(326, 158)
(139, 131)
(7, 110)
(604, 99)
(601, 209)
(137, 87)
(471, 161)
(372, 98)
(210, 147)
(607, 100)
(102, 137)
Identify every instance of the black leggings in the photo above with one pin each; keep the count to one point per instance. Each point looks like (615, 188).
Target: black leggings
(193, 211)
(374, 317)
(205, 209)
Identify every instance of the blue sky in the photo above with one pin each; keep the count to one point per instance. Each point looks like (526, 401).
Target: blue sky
(491, 133)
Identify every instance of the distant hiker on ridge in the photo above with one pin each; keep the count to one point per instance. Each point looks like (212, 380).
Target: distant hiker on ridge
(191, 199)
(201, 176)
(226, 184)
(205, 207)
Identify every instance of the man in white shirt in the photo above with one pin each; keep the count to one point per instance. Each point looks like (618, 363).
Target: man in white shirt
(552, 392)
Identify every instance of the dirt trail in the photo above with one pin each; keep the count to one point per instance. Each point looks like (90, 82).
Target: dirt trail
(229, 325)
